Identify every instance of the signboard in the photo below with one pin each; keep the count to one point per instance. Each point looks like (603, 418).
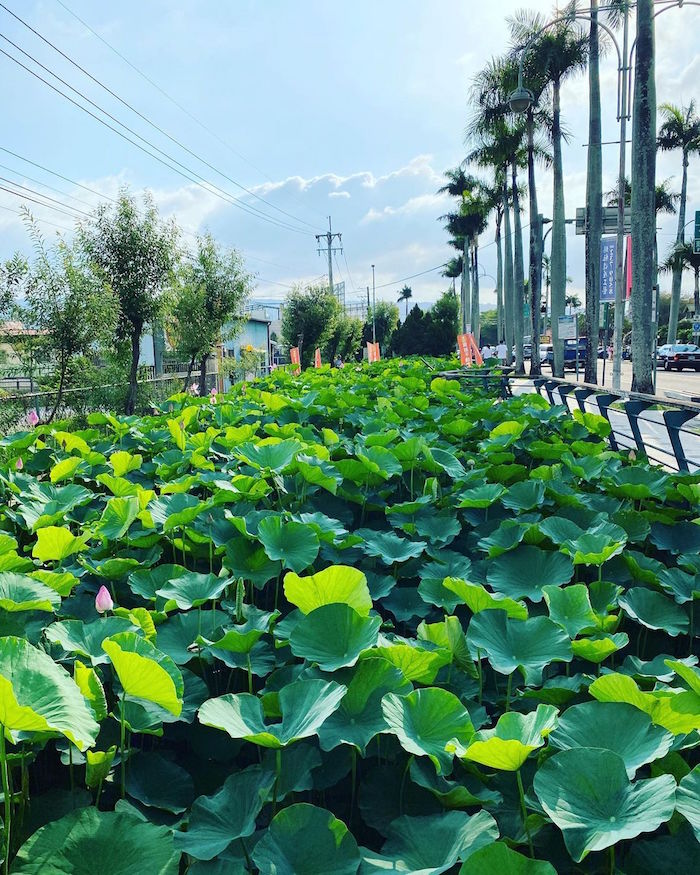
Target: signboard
(294, 356)
(608, 269)
(317, 358)
(696, 247)
(465, 357)
(696, 327)
(609, 220)
(567, 328)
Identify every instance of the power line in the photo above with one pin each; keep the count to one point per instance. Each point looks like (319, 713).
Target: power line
(169, 97)
(185, 172)
(46, 185)
(33, 200)
(412, 276)
(41, 221)
(57, 175)
(149, 121)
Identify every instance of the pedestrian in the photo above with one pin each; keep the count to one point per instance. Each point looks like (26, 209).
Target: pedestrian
(338, 362)
(486, 352)
(501, 352)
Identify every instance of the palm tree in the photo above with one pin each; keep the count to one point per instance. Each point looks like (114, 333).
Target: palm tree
(680, 129)
(681, 258)
(643, 199)
(594, 201)
(404, 295)
(458, 181)
(560, 52)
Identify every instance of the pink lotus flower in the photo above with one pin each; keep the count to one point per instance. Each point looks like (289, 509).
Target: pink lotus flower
(212, 395)
(632, 456)
(32, 418)
(103, 600)
(194, 389)
(19, 464)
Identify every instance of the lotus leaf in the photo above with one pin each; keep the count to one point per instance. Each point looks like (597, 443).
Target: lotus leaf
(145, 672)
(654, 610)
(523, 572)
(294, 544)
(336, 584)
(498, 857)
(19, 592)
(478, 599)
(333, 636)
(159, 783)
(190, 589)
(688, 799)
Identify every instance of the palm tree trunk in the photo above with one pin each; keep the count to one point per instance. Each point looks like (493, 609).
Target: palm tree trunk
(476, 315)
(643, 198)
(518, 274)
(535, 251)
(678, 264)
(558, 233)
(594, 202)
(464, 290)
(500, 328)
(508, 275)
(696, 292)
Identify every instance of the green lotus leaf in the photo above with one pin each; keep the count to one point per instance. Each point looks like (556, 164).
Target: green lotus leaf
(522, 572)
(359, 718)
(417, 664)
(598, 648)
(147, 581)
(18, 592)
(61, 582)
(689, 673)
(90, 686)
(145, 672)
(479, 599)
(524, 496)
(117, 517)
(191, 589)
(528, 645)
(425, 720)
(296, 545)
(681, 537)
(242, 637)
(45, 505)
(157, 782)
(481, 496)
(612, 726)
(249, 560)
(654, 611)
(449, 634)
(333, 636)
(216, 821)
(506, 537)
(319, 473)
(119, 843)
(37, 695)
(389, 547)
(688, 799)
(98, 764)
(111, 569)
(570, 607)
(337, 584)
(85, 639)
(560, 529)
(587, 793)
(511, 741)
(597, 545)
(66, 469)
(639, 482)
(305, 840)
(682, 586)
(304, 705)
(54, 543)
(172, 512)
(657, 667)
(270, 454)
(462, 793)
(123, 463)
(499, 858)
(431, 844)
(679, 712)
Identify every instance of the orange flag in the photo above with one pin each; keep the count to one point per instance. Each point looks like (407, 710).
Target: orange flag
(317, 358)
(294, 355)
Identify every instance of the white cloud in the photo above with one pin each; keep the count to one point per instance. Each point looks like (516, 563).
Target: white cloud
(345, 194)
(421, 203)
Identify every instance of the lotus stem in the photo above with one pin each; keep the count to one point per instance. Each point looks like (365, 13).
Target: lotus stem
(250, 673)
(122, 736)
(611, 851)
(508, 686)
(692, 626)
(7, 798)
(523, 809)
(70, 769)
(249, 865)
(353, 754)
(403, 783)
(480, 671)
(278, 772)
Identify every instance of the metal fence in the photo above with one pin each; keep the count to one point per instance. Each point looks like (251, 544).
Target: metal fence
(668, 434)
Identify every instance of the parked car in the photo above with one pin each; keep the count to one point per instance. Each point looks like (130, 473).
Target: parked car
(544, 351)
(569, 354)
(677, 356)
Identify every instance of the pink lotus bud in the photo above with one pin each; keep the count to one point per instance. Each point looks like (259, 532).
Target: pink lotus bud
(632, 456)
(194, 389)
(32, 418)
(103, 600)
(244, 386)
(19, 464)
(213, 391)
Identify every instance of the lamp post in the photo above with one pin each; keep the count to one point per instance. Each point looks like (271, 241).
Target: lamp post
(522, 99)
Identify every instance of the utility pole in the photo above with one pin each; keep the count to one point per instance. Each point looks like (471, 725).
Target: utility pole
(327, 244)
(374, 307)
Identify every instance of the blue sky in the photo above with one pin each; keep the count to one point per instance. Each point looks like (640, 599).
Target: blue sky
(353, 109)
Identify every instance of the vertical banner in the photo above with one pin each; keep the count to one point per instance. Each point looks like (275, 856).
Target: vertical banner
(608, 269)
(377, 353)
(476, 352)
(628, 271)
(373, 354)
(294, 355)
(317, 358)
(465, 356)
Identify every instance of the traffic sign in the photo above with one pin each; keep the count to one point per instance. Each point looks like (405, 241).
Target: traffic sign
(609, 220)
(567, 328)
(696, 327)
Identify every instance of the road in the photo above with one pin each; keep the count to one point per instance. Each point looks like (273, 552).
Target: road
(677, 381)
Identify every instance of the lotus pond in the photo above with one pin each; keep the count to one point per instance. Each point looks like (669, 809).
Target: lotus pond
(350, 622)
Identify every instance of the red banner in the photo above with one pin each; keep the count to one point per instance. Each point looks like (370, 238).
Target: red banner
(317, 358)
(468, 350)
(294, 356)
(373, 354)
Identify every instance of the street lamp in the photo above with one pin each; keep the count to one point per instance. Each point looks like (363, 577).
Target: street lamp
(522, 98)
(374, 307)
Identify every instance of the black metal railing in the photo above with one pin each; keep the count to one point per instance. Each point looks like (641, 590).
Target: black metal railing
(666, 433)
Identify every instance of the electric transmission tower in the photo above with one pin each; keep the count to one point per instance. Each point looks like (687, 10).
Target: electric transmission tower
(327, 246)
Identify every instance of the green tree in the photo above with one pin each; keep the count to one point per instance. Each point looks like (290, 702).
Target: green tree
(680, 130)
(135, 253)
(309, 319)
(64, 307)
(444, 325)
(386, 321)
(211, 289)
(682, 258)
(405, 294)
(345, 340)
